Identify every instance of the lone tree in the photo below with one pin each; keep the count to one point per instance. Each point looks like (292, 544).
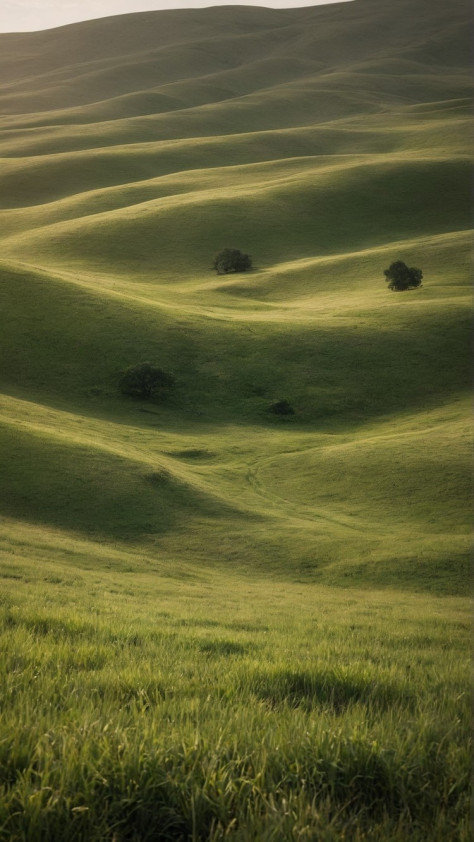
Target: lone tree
(231, 260)
(400, 277)
(144, 380)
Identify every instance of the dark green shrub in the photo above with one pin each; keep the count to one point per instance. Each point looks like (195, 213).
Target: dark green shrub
(144, 380)
(400, 277)
(282, 408)
(231, 260)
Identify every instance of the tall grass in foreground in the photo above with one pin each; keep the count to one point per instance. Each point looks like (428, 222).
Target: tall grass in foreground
(209, 709)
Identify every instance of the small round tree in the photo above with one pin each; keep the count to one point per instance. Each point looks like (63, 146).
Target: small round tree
(400, 277)
(231, 260)
(144, 380)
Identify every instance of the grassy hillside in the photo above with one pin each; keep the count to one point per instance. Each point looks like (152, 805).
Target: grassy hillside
(326, 142)
(243, 625)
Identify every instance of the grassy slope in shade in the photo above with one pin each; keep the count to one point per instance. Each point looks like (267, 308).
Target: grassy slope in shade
(177, 661)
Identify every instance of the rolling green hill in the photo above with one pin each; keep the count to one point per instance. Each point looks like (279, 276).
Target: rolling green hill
(219, 623)
(326, 142)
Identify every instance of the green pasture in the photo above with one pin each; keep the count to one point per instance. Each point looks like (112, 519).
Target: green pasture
(141, 702)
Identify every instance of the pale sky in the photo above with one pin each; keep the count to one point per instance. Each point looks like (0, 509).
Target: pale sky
(30, 15)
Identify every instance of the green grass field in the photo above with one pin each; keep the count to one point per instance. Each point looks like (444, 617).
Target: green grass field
(219, 623)
(146, 701)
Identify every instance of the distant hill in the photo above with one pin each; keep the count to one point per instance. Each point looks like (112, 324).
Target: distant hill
(166, 61)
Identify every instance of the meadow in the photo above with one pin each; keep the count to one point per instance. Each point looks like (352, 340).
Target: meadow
(217, 622)
(140, 703)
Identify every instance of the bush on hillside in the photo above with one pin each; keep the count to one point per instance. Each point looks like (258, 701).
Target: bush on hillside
(231, 260)
(400, 277)
(144, 380)
(282, 408)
